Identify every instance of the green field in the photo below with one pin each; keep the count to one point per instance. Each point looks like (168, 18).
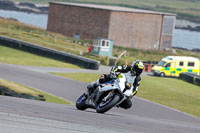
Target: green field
(13, 56)
(171, 92)
(188, 9)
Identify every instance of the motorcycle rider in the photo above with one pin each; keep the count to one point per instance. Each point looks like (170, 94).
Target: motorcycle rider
(132, 70)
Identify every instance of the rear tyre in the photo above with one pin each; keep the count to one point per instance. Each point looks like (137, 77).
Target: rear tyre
(80, 103)
(104, 106)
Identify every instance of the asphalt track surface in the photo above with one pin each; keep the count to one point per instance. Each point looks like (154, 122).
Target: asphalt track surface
(21, 115)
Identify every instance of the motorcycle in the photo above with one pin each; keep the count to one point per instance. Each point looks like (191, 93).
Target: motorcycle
(108, 94)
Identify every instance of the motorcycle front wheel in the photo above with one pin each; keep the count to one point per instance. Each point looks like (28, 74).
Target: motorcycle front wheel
(104, 106)
(80, 103)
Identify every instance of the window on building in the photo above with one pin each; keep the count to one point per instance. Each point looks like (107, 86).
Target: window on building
(76, 36)
(156, 45)
(107, 44)
(191, 64)
(180, 63)
(103, 43)
(133, 43)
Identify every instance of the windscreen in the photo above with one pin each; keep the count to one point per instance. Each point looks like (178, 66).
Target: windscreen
(161, 63)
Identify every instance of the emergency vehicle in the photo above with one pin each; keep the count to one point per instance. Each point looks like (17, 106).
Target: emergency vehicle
(174, 65)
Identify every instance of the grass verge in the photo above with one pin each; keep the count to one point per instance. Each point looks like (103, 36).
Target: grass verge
(172, 92)
(178, 94)
(26, 90)
(13, 56)
(80, 76)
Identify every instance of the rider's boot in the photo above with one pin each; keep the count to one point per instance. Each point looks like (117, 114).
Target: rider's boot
(91, 87)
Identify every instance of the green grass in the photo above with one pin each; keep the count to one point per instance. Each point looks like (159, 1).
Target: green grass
(21, 89)
(171, 92)
(83, 77)
(13, 56)
(17, 88)
(183, 8)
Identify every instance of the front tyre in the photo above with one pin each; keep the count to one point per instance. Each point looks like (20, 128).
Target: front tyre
(162, 74)
(80, 103)
(104, 106)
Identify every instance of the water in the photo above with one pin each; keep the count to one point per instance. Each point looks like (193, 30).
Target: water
(182, 38)
(186, 39)
(39, 20)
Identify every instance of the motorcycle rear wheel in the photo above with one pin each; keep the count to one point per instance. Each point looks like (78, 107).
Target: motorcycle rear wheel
(80, 103)
(105, 106)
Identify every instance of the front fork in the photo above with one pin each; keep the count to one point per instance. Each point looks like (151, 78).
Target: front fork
(110, 94)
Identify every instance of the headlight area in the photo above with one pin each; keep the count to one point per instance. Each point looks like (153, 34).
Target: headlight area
(156, 72)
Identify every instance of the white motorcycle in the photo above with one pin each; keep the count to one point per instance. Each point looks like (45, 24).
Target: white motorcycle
(108, 94)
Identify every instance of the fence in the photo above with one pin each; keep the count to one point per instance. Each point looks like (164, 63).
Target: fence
(42, 34)
(190, 77)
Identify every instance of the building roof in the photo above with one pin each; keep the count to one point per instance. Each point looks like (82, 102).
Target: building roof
(113, 8)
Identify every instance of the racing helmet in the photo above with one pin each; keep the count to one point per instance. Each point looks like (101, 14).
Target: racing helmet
(137, 67)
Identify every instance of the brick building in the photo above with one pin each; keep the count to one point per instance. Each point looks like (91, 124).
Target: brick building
(126, 26)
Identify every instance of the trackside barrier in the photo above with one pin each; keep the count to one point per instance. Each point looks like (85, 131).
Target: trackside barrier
(144, 69)
(147, 67)
(197, 81)
(190, 77)
(50, 53)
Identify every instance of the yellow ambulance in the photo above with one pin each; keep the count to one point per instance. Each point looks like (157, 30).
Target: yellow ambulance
(174, 65)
